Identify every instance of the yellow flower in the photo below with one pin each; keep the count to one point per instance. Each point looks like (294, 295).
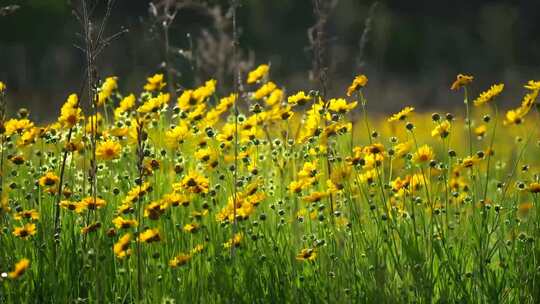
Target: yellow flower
(70, 113)
(368, 177)
(32, 214)
(20, 268)
(108, 150)
(442, 130)
(72, 206)
(191, 228)
(260, 72)
(136, 193)
(308, 170)
(307, 254)
(154, 104)
(469, 161)
(203, 92)
(514, 117)
(534, 187)
(299, 98)
(29, 136)
(194, 183)
(154, 83)
(17, 126)
(121, 248)
(314, 197)
(197, 113)
(423, 154)
(359, 82)
(402, 148)
(517, 116)
(176, 199)
(125, 104)
(234, 241)
(275, 98)
(185, 100)
(155, 209)
(340, 105)
(90, 228)
(150, 235)
(177, 135)
(531, 85)
(417, 181)
(2, 87)
(264, 90)
(375, 148)
(488, 95)
(180, 260)
(480, 131)
(121, 223)
(401, 115)
(91, 204)
(48, 180)
(25, 231)
(106, 90)
(197, 249)
(461, 80)
(226, 103)
(296, 186)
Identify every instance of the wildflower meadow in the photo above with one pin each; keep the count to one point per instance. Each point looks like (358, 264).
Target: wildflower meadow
(263, 195)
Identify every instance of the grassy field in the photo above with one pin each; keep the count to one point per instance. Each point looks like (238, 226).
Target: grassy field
(270, 196)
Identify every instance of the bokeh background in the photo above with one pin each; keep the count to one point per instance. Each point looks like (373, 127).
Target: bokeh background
(414, 51)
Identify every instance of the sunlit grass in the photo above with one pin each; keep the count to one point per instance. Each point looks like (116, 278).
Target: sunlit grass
(299, 199)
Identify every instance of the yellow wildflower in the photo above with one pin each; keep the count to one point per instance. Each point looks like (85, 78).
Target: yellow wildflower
(533, 85)
(340, 105)
(20, 268)
(461, 80)
(154, 83)
(180, 260)
(299, 98)
(480, 131)
(203, 92)
(32, 214)
(17, 126)
(307, 254)
(423, 154)
(260, 72)
(264, 90)
(70, 113)
(25, 231)
(93, 204)
(121, 248)
(401, 115)
(154, 104)
(275, 98)
(488, 95)
(108, 150)
(177, 135)
(121, 223)
(48, 180)
(191, 227)
(194, 183)
(359, 82)
(442, 130)
(150, 235)
(234, 241)
(109, 85)
(126, 104)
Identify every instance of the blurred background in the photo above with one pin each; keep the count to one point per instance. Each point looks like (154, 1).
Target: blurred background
(411, 56)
